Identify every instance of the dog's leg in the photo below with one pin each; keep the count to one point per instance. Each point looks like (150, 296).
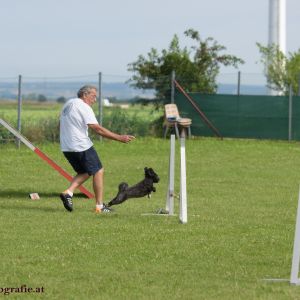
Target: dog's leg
(121, 197)
(111, 202)
(122, 187)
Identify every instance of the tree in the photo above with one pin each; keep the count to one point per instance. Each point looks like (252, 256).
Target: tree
(196, 68)
(30, 96)
(281, 71)
(61, 99)
(41, 98)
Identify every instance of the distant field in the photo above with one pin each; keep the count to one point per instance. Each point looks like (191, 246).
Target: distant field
(37, 111)
(242, 200)
(39, 121)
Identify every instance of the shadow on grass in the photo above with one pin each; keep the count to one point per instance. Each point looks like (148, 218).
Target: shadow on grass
(13, 194)
(26, 207)
(7, 197)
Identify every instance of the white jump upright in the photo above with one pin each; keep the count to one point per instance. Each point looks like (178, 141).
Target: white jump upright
(170, 191)
(183, 195)
(296, 251)
(171, 185)
(294, 278)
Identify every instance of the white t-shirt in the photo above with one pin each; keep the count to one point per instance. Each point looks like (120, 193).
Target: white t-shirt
(74, 119)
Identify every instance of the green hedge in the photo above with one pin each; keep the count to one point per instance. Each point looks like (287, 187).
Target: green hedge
(119, 121)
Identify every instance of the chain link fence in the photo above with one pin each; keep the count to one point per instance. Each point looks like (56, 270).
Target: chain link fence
(17, 93)
(32, 104)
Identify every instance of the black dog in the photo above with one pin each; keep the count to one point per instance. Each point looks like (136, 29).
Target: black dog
(141, 189)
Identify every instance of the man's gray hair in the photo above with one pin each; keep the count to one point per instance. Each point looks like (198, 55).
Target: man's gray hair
(86, 89)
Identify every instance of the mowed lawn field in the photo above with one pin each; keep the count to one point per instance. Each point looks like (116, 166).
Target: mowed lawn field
(242, 201)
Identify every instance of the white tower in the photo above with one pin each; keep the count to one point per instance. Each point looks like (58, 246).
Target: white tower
(277, 23)
(277, 26)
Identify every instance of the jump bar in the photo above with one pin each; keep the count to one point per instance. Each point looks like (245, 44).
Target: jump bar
(43, 156)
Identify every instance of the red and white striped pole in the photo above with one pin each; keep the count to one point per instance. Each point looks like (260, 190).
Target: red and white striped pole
(43, 156)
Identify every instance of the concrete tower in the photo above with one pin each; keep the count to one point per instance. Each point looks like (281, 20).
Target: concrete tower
(277, 26)
(277, 23)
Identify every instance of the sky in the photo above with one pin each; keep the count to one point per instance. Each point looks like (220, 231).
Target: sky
(57, 38)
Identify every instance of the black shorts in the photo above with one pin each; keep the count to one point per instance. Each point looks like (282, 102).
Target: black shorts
(84, 162)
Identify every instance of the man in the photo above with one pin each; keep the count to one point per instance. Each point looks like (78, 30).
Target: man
(76, 118)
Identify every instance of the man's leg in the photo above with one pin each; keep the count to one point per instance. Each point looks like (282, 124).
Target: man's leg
(98, 186)
(66, 196)
(77, 181)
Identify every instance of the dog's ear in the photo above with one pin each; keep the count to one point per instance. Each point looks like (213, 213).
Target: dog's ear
(150, 172)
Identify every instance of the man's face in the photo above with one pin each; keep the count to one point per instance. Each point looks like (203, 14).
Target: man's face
(90, 98)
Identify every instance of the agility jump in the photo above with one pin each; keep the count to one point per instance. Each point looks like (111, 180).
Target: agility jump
(43, 156)
(170, 191)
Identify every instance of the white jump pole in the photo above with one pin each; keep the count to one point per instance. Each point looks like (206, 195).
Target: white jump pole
(294, 278)
(296, 251)
(170, 191)
(183, 194)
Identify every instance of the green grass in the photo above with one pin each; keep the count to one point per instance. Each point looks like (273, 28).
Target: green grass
(242, 199)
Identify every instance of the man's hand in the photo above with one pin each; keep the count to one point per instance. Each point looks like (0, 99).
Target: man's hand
(126, 138)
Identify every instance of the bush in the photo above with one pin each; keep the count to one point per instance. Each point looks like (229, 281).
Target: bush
(5, 135)
(135, 122)
(42, 130)
(121, 122)
(42, 98)
(61, 100)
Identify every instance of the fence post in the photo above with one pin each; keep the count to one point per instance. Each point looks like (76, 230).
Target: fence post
(290, 111)
(239, 83)
(173, 87)
(100, 101)
(18, 141)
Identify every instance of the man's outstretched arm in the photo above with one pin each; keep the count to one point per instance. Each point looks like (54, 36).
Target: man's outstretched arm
(124, 138)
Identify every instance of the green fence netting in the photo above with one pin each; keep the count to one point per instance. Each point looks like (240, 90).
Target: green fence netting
(265, 117)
